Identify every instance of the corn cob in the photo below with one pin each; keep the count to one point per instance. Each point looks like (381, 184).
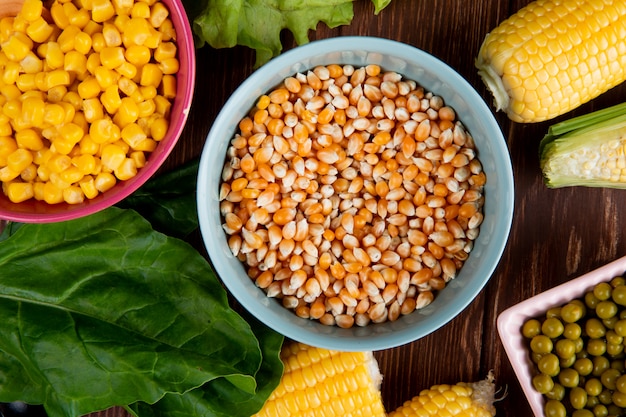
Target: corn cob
(554, 55)
(320, 382)
(473, 399)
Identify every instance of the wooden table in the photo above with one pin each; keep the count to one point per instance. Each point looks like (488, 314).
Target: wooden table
(556, 235)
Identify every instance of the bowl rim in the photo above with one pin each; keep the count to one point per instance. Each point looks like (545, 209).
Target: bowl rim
(294, 59)
(510, 321)
(181, 105)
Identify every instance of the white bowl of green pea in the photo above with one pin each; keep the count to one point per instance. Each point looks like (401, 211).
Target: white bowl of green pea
(566, 345)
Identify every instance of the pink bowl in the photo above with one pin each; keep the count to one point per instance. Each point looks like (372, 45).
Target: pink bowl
(33, 211)
(511, 320)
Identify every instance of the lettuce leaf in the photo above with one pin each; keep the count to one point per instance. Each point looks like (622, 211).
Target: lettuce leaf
(104, 311)
(257, 24)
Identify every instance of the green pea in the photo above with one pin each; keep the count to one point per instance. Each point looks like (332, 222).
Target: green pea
(556, 393)
(609, 378)
(541, 344)
(584, 366)
(565, 348)
(552, 327)
(572, 312)
(591, 300)
(619, 399)
(602, 291)
(619, 294)
(614, 349)
(594, 328)
(568, 377)
(582, 413)
(620, 384)
(531, 328)
(554, 408)
(619, 365)
(572, 331)
(549, 364)
(567, 362)
(606, 309)
(553, 312)
(614, 338)
(610, 322)
(592, 402)
(543, 383)
(600, 410)
(618, 281)
(578, 397)
(596, 347)
(593, 387)
(614, 410)
(600, 364)
(620, 327)
(605, 397)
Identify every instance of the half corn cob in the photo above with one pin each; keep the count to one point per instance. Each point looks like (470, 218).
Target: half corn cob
(588, 150)
(554, 55)
(320, 382)
(325, 383)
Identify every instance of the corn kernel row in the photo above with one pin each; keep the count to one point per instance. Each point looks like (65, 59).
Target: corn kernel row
(85, 94)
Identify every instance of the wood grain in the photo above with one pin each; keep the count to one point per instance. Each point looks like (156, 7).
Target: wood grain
(556, 234)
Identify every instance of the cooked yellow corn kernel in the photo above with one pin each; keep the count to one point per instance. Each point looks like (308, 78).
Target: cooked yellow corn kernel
(127, 86)
(127, 113)
(102, 10)
(158, 128)
(168, 86)
(7, 146)
(106, 77)
(67, 38)
(34, 109)
(52, 194)
(7, 174)
(98, 43)
(73, 98)
(148, 92)
(29, 173)
(29, 139)
(85, 163)
(89, 88)
(77, 17)
(112, 156)
(112, 56)
(146, 145)
(71, 132)
(168, 30)
(31, 9)
(75, 62)
(88, 146)
(88, 186)
(164, 51)
(105, 181)
(58, 77)
(12, 109)
(112, 36)
(104, 130)
(124, 6)
(139, 157)
(93, 62)
(68, 110)
(11, 72)
(132, 134)
(19, 191)
(31, 63)
(151, 74)
(58, 15)
(19, 159)
(158, 14)
(26, 82)
(146, 108)
(73, 195)
(127, 70)
(39, 30)
(137, 31)
(138, 55)
(163, 106)
(126, 170)
(17, 47)
(58, 163)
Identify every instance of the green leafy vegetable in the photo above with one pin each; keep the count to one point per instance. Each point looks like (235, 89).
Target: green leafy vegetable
(586, 151)
(104, 311)
(168, 201)
(257, 23)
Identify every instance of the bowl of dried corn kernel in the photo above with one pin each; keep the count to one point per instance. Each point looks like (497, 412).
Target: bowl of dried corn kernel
(94, 98)
(355, 193)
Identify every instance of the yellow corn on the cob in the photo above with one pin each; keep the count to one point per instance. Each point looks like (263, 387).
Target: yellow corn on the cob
(323, 383)
(554, 55)
(473, 399)
(320, 382)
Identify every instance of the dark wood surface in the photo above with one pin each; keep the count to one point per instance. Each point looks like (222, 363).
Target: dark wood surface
(556, 235)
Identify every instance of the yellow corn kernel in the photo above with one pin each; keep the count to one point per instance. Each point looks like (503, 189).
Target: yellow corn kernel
(123, 5)
(141, 10)
(127, 70)
(75, 62)
(93, 109)
(105, 77)
(112, 56)
(89, 88)
(54, 114)
(158, 14)
(121, 20)
(38, 192)
(158, 128)
(58, 163)
(71, 132)
(98, 43)
(123, 146)
(39, 30)
(102, 10)
(111, 99)
(57, 181)
(139, 157)
(11, 72)
(127, 86)
(68, 111)
(169, 66)
(132, 134)
(87, 146)
(72, 174)
(7, 146)
(112, 156)
(164, 51)
(55, 58)
(77, 17)
(127, 113)
(151, 74)
(17, 47)
(146, 108)
(154, 39)
(85, 163)
(168, 30)
(126, 170)
(163, 106)
(345, 383)
(138, 55)
(55, 93)
(7, 174)
(29, 139)
(112, 36)
(31, 9)
(31, 63)
(146, 145)
(5, 128)
(58, 15)
(88, 186)
(59, 77)
(34, 109)
(105, 181)
(19, 159)
(29, 173)
(82, 43)
(148, 92)
(168, 86)
(552, 56)
(67, 38)
(43, 173)
(137, 31)
(73, 98)
(19, 191)
(26, 82)
(52, 194)
(73, 195)
(92, 28)
(93, 62)
(104, 130)
(12, 109)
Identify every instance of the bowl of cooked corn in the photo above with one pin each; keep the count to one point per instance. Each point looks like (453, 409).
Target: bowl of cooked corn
(566, 344)
(355, 193)
(94, 97)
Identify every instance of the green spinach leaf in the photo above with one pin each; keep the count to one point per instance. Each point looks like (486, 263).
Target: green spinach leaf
(104, 311)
